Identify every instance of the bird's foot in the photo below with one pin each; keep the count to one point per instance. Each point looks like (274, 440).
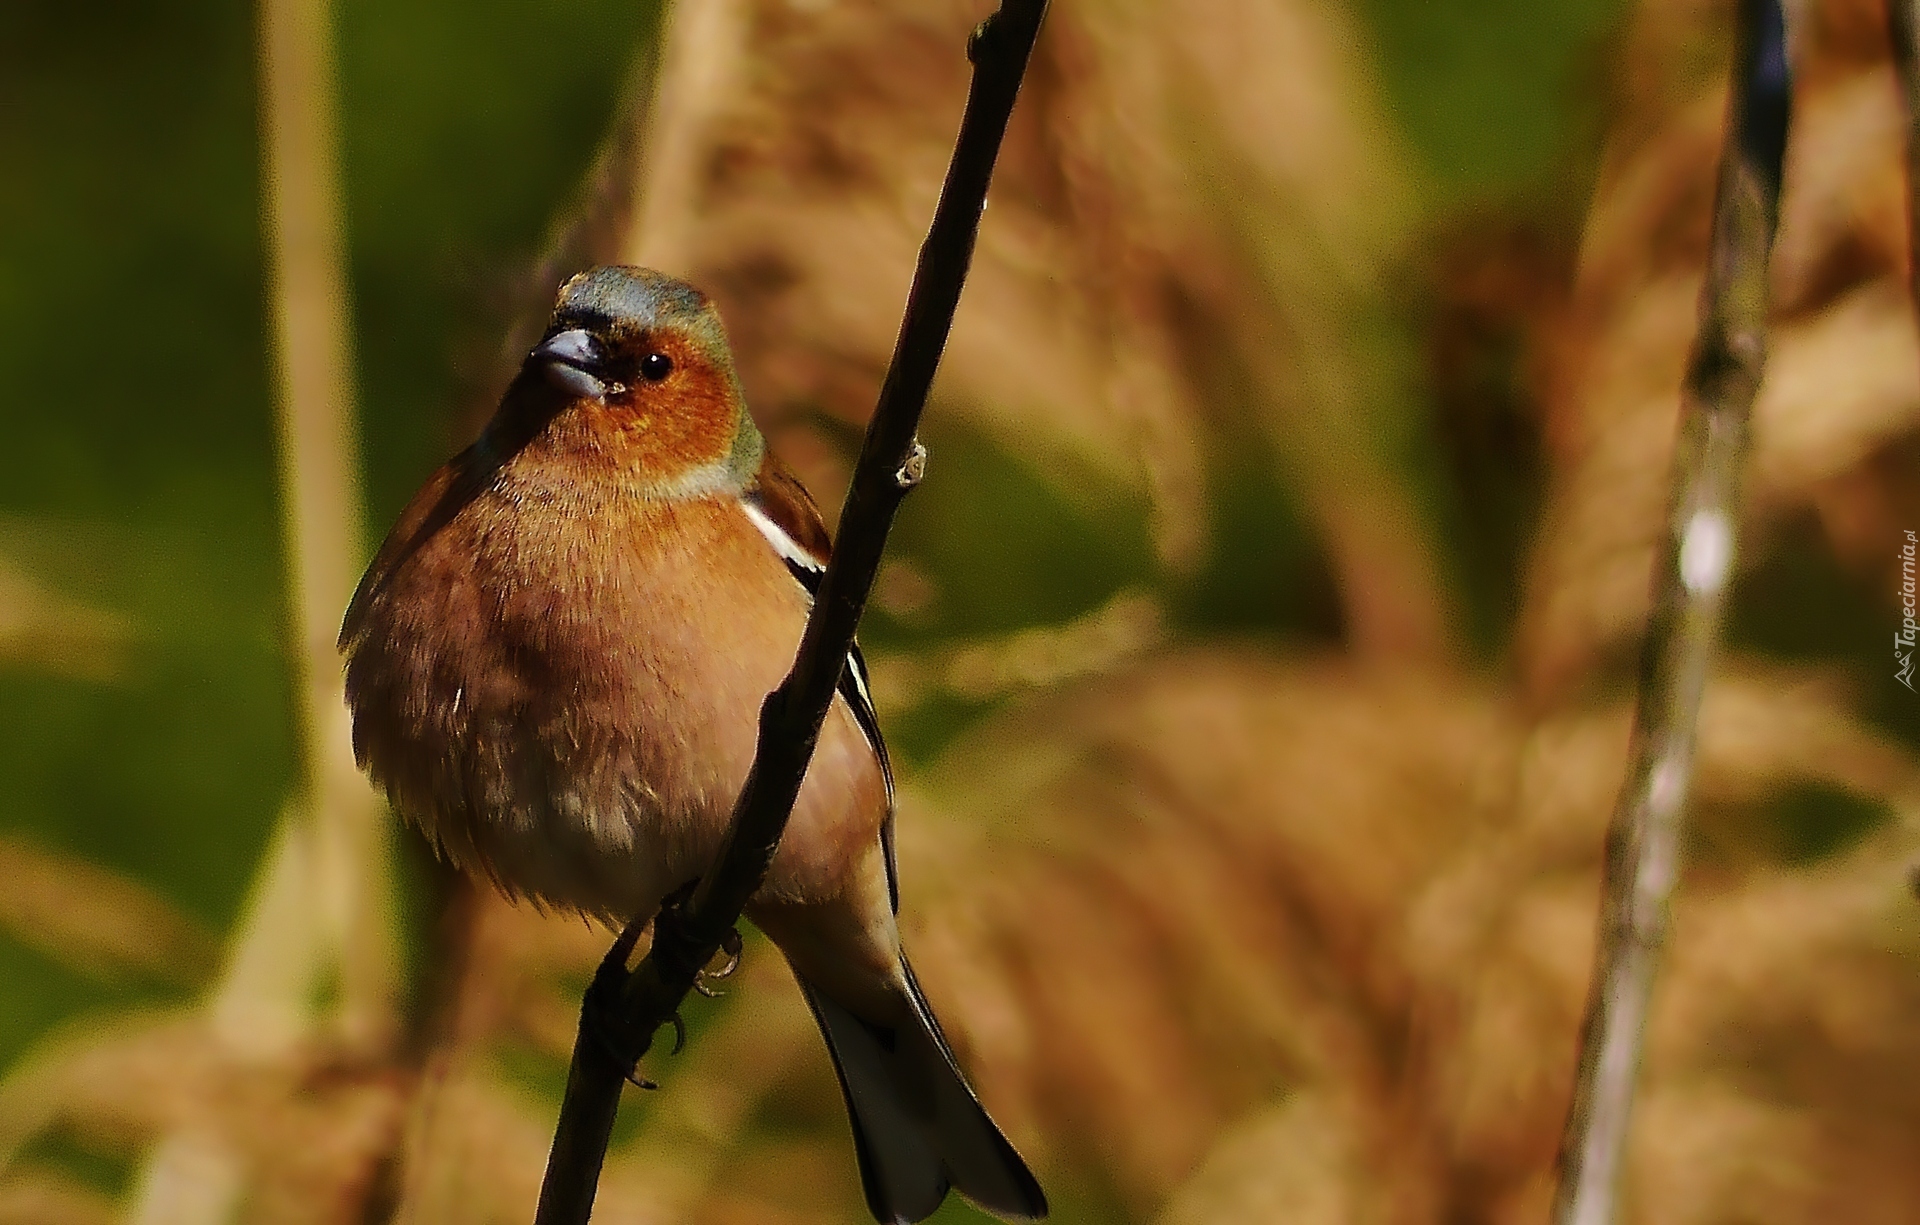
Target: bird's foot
(731, 946)
(602, 1017)
(615, 1037)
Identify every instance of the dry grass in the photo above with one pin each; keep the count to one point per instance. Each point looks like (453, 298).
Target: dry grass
(98, 922)
(1842, 392)
(1222, 931)
(1238, 881)
(1187, 201)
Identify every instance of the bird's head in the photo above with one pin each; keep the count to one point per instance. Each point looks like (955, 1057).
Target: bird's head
(633, 372)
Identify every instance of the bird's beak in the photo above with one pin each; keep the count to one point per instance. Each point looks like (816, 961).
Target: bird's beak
(572, 361)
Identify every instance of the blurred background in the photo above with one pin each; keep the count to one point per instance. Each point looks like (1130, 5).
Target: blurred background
(1258, 654)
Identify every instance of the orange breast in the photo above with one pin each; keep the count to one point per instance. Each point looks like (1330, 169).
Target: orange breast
(562, 687)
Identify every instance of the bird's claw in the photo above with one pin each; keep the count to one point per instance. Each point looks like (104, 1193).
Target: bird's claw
(601, 1011)
(731, 946)
(615, 1038)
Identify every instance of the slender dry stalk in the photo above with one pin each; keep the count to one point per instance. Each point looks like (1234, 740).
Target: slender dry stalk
(689, 935)
(320, 515)
(321, 899)
(1689, 590)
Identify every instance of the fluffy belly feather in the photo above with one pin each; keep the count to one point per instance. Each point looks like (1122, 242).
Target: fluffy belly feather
(578, 728)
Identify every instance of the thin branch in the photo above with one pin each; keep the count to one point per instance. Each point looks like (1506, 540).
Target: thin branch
(1903, 29)
(1689, 591)
(688, 936)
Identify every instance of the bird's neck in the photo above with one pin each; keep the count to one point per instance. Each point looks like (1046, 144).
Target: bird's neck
(600, 449)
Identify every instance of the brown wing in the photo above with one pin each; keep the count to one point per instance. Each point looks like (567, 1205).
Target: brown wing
(432, 508)
(776, 499)
(778, 494)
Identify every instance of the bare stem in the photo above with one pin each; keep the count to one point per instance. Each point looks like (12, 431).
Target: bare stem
(688, 936)
(318, 899)
(320, 497)
(1689, 592)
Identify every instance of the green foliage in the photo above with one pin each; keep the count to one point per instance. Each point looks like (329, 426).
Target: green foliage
(1810, 822)
(1488, 92)
(465, 126)
(87, 1159)
(1797, 602)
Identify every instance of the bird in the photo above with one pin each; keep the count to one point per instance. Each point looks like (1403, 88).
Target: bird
(554, 666)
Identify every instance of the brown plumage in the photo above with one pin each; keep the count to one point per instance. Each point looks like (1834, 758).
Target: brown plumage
(556, 663)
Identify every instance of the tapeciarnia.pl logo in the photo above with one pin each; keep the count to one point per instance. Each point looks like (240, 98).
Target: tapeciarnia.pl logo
(1903, 638)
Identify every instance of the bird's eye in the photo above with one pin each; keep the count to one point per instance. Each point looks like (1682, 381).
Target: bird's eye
(655, 366)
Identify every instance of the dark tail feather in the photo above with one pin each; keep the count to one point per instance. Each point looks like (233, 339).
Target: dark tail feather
(917, 1127)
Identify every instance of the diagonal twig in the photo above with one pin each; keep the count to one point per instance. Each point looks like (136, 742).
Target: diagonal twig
(690, 935)
(1689, 591)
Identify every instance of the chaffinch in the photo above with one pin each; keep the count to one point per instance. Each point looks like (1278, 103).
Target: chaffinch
(556, 663)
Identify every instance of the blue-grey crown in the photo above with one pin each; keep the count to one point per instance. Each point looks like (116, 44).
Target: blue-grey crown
(622, 295)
